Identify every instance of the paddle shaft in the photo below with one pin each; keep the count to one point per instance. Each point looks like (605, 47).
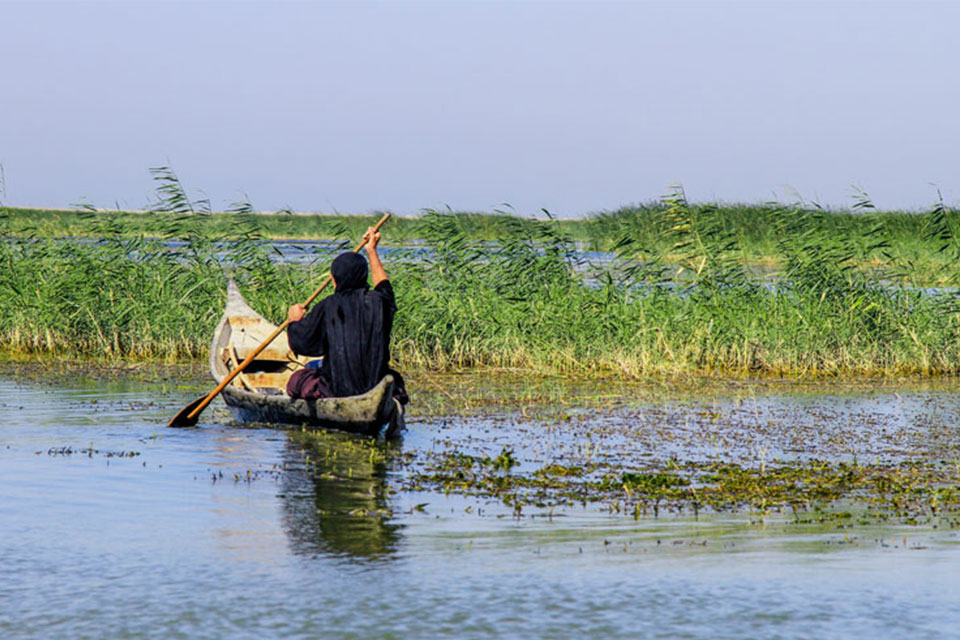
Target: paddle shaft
(266, 343)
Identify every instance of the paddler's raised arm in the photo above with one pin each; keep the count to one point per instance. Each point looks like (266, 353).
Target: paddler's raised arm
(377, 272)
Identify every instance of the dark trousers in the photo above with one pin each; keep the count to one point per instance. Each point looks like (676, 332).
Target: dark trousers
(308, 383)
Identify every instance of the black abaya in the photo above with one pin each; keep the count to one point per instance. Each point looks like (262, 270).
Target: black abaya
(350, 329)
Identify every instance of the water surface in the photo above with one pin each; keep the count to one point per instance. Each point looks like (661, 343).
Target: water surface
(112, 525)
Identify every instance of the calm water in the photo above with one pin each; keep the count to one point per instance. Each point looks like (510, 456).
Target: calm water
(219, 532)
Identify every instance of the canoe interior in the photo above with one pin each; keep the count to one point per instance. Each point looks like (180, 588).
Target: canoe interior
(240, 332)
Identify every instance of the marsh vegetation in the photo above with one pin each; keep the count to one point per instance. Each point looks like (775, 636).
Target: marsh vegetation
(861, 292)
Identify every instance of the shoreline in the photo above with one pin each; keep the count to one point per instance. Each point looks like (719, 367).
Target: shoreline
(493, 380)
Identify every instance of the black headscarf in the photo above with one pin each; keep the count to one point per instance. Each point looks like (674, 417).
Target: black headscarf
(349, 271)
(351, 329)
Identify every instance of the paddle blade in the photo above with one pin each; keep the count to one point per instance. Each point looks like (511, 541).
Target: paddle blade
(183, 419)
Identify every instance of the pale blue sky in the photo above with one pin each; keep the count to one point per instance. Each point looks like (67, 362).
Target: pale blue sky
(575, 107)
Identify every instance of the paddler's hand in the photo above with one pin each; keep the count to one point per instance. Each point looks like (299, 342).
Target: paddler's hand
(373, 239)
(296, 313)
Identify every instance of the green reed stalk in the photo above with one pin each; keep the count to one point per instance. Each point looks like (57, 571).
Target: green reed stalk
(682, 296)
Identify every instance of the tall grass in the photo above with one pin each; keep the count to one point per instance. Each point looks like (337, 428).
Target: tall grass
(914, 249)
(688, 305)
(130, 296)
(680, 297)
(911, 249)
(284, 224)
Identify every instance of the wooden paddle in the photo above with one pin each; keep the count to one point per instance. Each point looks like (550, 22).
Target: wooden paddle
(187, 417)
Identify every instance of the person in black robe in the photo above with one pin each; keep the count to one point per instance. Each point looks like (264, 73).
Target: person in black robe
(349, 329)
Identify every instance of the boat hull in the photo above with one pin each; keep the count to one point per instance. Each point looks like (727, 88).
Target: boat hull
(366, 414)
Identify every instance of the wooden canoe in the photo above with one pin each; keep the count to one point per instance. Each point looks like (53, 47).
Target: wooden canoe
(258, 393)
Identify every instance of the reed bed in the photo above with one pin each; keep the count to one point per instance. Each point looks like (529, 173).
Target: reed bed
(914, 244)
(680, 298)
(276, 225)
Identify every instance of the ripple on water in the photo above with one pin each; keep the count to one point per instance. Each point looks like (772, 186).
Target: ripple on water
(220, 532)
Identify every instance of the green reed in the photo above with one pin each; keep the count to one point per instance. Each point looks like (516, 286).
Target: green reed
(689, 306)
(682, 295)
(284, 224)
(915, 248)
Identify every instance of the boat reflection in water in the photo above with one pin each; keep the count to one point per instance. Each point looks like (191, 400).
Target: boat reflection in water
(335, 499)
